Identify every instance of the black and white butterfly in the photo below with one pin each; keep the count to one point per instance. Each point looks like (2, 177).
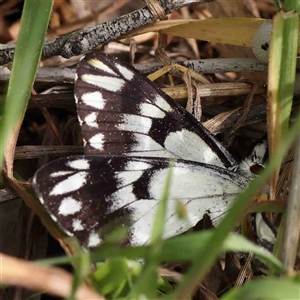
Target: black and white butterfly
(131, 132)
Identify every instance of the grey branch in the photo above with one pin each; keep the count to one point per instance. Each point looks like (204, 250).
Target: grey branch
(82, 41)
(214, 65)
(30, 152)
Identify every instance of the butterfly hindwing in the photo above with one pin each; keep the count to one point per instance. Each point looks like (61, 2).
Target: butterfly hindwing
(88, 196)
(123, 113)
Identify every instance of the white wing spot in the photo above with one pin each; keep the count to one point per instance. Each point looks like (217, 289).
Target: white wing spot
(112, 84)
(137, 165)
(79, 164)
(125, 178)
(94, 240)
(162, 103)
(97, 141)
(149, 110)
(188, 145)
(71, 184)
(93, 99)
(143, 211)
(61, 173)
(121, 198)
(126, 73)
(145, 143)
(69, 206)
(135, 123)
(91, 119)
(100, 65)
(77, 225)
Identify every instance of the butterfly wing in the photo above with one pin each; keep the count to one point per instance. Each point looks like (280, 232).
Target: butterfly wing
(89, 196)
(123, 113)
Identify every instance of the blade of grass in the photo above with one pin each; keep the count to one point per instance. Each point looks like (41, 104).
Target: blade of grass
(281, 79)
(264, 289)
(292, 5)
(181, 248)
(34, 23)
(287, 249)
(277, 4)
(80, 273)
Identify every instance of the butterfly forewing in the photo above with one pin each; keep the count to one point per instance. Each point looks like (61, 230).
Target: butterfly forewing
(89, 196)
(123, 113)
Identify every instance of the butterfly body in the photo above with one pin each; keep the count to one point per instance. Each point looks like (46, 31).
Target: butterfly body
(132, 133)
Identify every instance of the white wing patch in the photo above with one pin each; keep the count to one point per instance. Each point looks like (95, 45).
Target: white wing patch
(137, 165)
(77, 225)
(101, 66)
(61, 173)
(94, 99)
(125, 178)
(121, 198)
(71, 184)
(69, 206)
(135, 123)
(144, 212)
(149, 110)
(200, 190)
(185, 183)
(185, 143)
(97, 141)
(91, 120)
(146, 143)
(162, 103)
(79, 164)
(112, 84)
(94, 240)
(126, 73)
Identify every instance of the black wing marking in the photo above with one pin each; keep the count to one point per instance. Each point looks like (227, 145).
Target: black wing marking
(88, 196)
(123, 113)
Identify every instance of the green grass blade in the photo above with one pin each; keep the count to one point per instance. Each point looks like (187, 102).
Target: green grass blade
(281, 80)
(34, 23)
(265, 289)
(277, 4)
(292, 5)
(282, 68)
(181, 248)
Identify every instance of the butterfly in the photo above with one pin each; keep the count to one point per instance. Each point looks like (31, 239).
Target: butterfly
(132, 132)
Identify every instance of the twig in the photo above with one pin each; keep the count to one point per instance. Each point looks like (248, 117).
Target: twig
(82, 41)
(30, 152)
(66, 100)
(35, 277)
(290, 241)
(215, 65)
